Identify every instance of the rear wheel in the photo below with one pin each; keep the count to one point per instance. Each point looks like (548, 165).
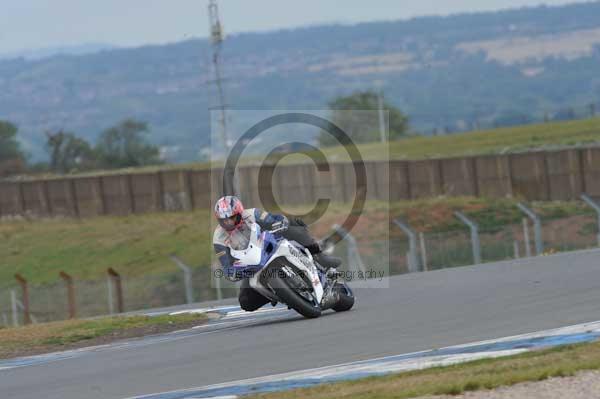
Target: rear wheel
(346, 301)
(294, 292)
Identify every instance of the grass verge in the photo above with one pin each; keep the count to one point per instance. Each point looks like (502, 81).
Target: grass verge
(513, 139)
(554, 135)
(454, 380)
(56, 336)
(134, 245)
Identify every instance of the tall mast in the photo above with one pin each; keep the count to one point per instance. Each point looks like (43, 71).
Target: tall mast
(217, 37)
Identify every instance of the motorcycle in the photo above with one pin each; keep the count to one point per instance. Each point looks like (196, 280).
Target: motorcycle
(283, 271)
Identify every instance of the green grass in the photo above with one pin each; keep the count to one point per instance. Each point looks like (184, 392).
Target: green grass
(455, 380)
(522, 138)
(514, 139)
(133, 245)
(39, 337)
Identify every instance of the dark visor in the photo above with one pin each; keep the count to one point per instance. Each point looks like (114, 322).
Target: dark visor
(230, 223)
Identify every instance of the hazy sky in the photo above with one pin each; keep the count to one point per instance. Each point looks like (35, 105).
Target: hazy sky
(33, 24)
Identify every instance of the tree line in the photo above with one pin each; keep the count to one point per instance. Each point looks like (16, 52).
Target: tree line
(120, 146)
(126, 144)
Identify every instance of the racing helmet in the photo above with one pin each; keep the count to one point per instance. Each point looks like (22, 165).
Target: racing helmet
(228, 211)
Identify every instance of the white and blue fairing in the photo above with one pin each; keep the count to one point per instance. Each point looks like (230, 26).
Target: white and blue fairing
(263, 247)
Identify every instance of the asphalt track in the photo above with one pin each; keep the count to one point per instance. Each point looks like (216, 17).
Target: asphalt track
(418, 312)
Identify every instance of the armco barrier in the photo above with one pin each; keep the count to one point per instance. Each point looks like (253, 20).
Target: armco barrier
(552, 175)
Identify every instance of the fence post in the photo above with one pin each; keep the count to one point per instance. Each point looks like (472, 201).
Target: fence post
(13, 302)
(187, 274)
(353, 253)
(537, 226)
(217, 280)
(588, 200)
(25, 289)
(423, 252)
(111, 302)
(475, 243)
(526, 238)
(115, 279)
(413, 261)
(70, 294)
(516, 249)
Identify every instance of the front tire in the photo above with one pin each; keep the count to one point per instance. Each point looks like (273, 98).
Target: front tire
(290, 297)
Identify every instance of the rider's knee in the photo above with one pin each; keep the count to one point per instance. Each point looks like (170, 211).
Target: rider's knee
(248, 303)
(248, 306)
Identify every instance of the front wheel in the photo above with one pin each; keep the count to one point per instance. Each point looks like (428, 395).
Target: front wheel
(286, 289)
(346, 300)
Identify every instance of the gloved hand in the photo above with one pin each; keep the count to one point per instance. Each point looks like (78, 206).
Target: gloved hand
(234, 273)
(231, 274)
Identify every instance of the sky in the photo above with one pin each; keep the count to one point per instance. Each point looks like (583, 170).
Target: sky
(39, 24)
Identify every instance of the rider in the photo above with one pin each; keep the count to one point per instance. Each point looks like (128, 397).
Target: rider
(234, 219)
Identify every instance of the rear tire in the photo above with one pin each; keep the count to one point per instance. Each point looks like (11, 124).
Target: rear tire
(293, 299)
(346, 301)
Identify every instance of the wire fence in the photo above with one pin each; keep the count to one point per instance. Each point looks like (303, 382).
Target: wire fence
(50, 302)
(434, 250)
(440, 250)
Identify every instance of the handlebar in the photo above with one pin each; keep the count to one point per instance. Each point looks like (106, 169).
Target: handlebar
(278, 227)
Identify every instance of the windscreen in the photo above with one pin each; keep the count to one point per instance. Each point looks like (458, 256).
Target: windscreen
(240, 238)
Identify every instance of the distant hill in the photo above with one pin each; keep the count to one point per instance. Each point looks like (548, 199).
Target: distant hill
(42, 53)
(448, 73)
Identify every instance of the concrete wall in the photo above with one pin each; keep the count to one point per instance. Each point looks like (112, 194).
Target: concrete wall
(590, 165)
(175, 191)
(493, 176)
(117, 195)
(88, 192)
(564, 175)
(559, 175)
(34, 197)
(400, 185)
(425, 179)
(145, 192)
(11, 201)
(459, 177)
(529, 176)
